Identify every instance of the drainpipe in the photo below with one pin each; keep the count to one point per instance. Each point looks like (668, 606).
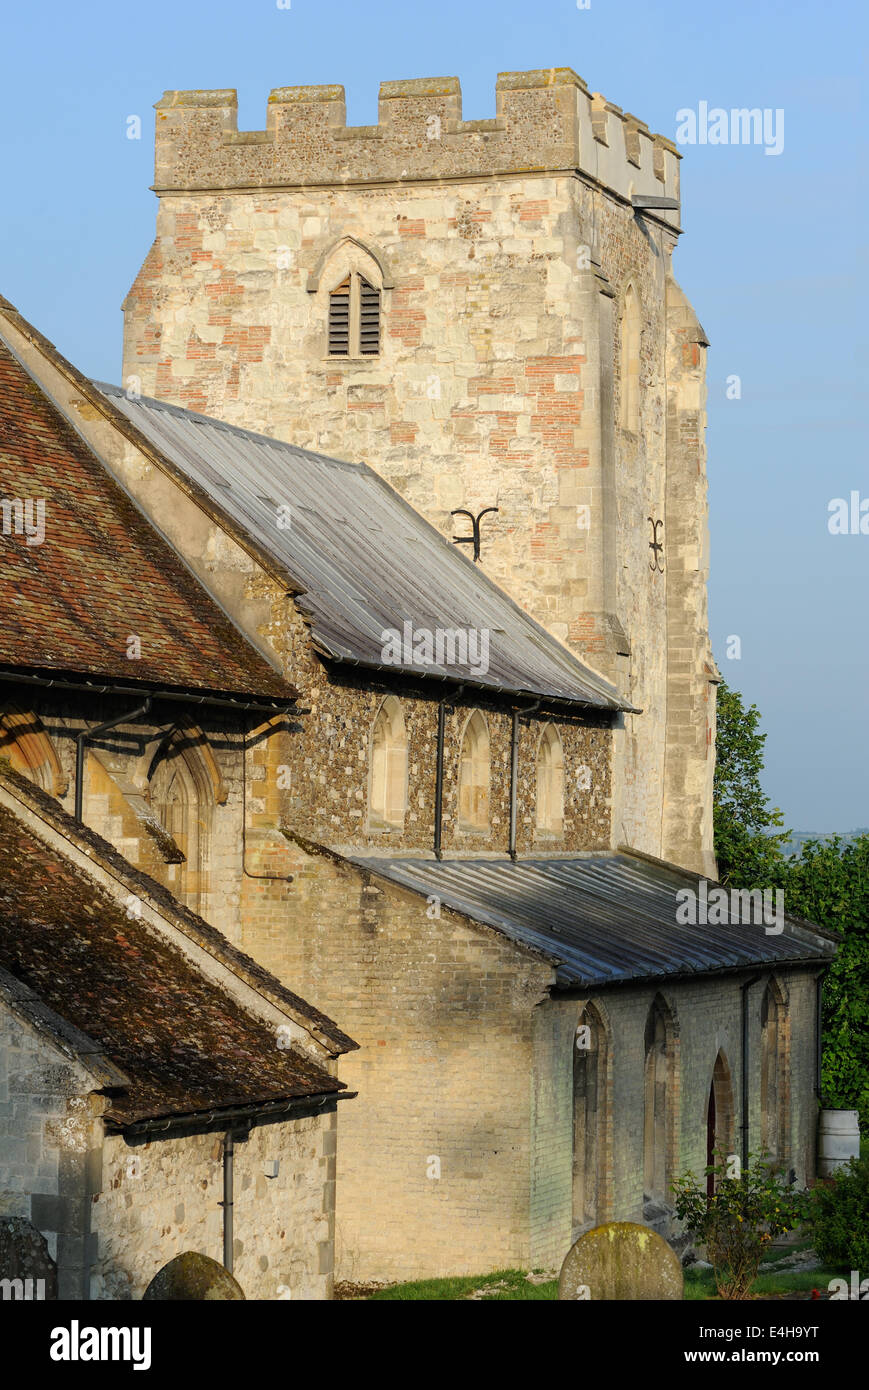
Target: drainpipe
(439, 771)
(87, 735)
(228, 1156)
(514, 770)
(745, 988)
(238, 1135)
(819, 1037)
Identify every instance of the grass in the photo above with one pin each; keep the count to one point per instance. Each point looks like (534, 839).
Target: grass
(511, 1285)
(699, 1283)
(505, 1285)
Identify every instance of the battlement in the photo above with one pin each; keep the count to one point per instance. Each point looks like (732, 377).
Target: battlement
(545, 120)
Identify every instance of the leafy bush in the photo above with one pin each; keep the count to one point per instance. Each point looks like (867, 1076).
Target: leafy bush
(739, 1220)
(838, 1218)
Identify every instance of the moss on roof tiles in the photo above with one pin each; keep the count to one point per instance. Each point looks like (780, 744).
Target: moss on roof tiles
(100, 574)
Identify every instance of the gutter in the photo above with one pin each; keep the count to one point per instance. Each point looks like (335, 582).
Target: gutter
(605, 704)
(276, 704)
(662, 978)
(234, 1115)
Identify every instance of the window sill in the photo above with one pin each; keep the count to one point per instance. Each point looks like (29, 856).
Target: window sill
(353, 361)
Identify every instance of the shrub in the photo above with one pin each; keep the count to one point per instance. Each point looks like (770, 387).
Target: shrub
(739, 1220)
(838, 1217)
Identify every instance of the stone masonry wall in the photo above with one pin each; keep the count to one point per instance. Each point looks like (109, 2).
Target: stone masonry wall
(49, 1136)
(161, 1198)
(707, 1019)
(504, 250)
(433, 1167)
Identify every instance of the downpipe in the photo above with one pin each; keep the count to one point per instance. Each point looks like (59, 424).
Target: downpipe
(88, 735)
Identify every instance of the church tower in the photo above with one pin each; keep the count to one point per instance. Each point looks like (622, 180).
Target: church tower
(485, 312)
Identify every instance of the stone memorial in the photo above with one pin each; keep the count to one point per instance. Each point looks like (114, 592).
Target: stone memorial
(620, 1261)
(194, 1278)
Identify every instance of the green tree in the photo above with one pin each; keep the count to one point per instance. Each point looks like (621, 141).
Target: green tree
(746, 848)
(829, 884)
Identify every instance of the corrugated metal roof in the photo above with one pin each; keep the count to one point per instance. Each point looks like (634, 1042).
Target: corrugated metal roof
(604, 919)
(366, 561)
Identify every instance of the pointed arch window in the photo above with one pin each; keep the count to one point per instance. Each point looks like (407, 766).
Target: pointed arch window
(658, 1116)
(720, 1133)
(474, 775)
(773, 1084)
(354, 317)
(590, 1119)
(550, 782)
(630, 361)
(388, 792)
(181, 797)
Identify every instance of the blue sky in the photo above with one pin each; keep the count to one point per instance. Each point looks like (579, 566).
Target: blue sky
(769, 258)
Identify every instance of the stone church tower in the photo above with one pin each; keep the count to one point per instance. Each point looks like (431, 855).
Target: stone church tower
(485, 312)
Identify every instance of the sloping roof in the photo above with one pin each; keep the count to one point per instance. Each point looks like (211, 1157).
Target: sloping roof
(186, 1043)
(101, 573)
(365, 560)
(603, 919)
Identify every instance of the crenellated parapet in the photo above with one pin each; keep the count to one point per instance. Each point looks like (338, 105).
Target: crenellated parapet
(546, 120)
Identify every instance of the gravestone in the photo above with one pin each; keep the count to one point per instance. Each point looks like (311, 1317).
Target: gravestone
(26, 1268)
(620, 1260)
(193, 1278)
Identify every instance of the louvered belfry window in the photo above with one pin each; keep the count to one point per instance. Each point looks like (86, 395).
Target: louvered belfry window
(354, 318)
(339, 320)
(369, 319)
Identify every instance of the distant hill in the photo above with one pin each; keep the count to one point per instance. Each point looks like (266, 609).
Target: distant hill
(794, 846)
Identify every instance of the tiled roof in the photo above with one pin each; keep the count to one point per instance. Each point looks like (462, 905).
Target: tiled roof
(186, 1043)
(101, 574)
(604, 919)
(365, 561)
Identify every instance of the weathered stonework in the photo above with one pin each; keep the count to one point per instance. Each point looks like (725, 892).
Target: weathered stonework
(161, 1198)
(49, 1144)
(505, 379)
(467, 1059)
(504, 251)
